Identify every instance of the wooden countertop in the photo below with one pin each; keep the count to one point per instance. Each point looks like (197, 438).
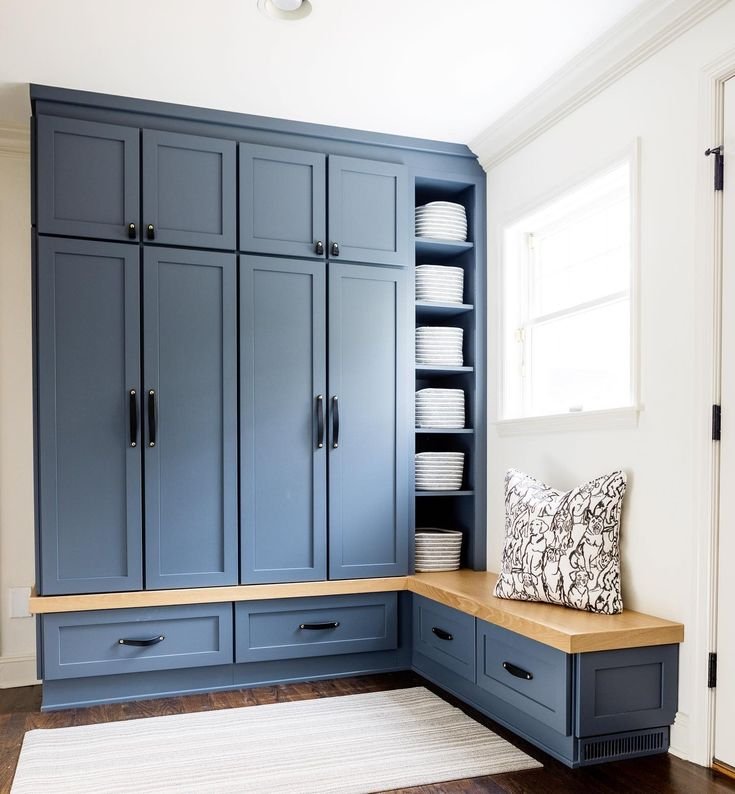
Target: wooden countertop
(569, 630)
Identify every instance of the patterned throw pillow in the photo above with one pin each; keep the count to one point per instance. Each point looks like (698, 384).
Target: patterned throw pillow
(563, 548)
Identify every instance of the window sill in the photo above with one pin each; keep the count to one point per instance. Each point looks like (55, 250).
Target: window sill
(610, 419)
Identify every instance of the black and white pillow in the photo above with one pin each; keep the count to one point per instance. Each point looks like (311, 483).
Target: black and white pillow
(563, 548)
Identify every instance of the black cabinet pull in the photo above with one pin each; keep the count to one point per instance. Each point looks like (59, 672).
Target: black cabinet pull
(150, 232)
(441, 634)
(518, 672)
(152, 419)
(131, 231)
(335, 249)
(320, 420)
(335, 422)
(133, 397)
(142, 643)
(330, 624)
(319, 248)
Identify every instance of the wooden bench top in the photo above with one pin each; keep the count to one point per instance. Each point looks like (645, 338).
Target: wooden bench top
(569, 630)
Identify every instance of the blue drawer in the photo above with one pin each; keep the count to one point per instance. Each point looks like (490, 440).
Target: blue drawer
(533, 678)
(80, 644)
(294, 628)
(444, 635)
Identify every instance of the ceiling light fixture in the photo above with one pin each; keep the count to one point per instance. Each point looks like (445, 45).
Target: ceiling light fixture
(289, 10)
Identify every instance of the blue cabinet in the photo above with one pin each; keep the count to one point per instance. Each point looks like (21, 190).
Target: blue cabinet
(282, 201)
(188, 190)
(190, 438)
(369, 429)
(88, 454)
(282, 420)
(370, 211)
(88, 179)
(444, 635)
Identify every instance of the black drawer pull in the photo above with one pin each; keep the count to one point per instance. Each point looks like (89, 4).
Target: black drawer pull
(330, 624)
(441, 634)
(518, 672)
(319, 248)
(142, 643)
(150, 232)
(335, 249)
(131, 231)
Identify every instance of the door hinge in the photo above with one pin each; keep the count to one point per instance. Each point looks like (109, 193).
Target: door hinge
(712, 671)
(719, 165)
(716, 422)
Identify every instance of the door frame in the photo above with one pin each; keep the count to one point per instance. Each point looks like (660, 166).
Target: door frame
(699, 725)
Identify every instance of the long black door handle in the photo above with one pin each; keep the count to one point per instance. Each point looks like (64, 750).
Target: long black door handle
(152, 419)
(335, 422)
(441, 634)
(320, 420)
(133, 397)
(142, 643)
(150, 232)
(329, 624)
(518, 672)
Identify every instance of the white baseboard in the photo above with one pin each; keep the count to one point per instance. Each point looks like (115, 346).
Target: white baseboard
(17, 671)
(680, 740)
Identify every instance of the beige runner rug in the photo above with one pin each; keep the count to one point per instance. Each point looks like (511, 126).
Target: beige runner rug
(348, 745)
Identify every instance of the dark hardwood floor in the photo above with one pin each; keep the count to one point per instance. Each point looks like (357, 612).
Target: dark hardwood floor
(20, 712)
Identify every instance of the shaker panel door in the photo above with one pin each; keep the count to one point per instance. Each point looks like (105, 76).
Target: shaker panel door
(88, 441)
(282, 201)
(190, 434)
(369, 410)
(283, 420)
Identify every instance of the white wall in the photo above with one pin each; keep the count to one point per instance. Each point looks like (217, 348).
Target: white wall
(17, 636)
(657, 102)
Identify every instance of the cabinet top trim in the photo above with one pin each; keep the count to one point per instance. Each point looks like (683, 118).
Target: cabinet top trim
(567, 630)
(90, 99)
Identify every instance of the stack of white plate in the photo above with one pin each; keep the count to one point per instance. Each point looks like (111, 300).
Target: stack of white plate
(439, 346)
(439, 283)
(441, 220)
(439, 471)
(438, 549)
(440, 408)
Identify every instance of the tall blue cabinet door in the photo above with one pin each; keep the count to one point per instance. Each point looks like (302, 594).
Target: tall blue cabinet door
(282, 420)
(190, 438)
(188, 190)
(369, 212)
(283, 204)
(370, 391)
(88, 183)
(89, 470)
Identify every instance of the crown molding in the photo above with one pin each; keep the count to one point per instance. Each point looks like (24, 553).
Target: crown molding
(14, 141)
(633, 40)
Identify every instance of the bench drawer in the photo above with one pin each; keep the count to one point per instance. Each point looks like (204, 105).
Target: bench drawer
(444, 635)
(80, 644)
(526, 674)
(294, 628)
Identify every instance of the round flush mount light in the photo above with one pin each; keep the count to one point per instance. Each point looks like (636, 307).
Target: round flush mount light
(288, 10)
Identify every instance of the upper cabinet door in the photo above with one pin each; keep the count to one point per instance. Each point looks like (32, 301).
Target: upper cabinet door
(282, 420)
(88, 348)
(369, 212)
(369, 432)
(282, 201)
(188, 190)
(88, 184)
(190, 410)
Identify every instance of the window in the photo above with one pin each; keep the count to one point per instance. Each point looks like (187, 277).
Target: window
(567, 315)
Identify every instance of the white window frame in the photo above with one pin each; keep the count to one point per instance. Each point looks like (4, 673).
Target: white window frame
(511, 388)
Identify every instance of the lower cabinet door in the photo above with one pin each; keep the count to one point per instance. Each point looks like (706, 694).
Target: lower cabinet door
(295, 628)
(190, 418)
(114, 641)
(445, 636)
(283, 455)
(369, 432)
(532, 677)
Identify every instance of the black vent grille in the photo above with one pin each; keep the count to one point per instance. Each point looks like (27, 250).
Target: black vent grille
(627, 745)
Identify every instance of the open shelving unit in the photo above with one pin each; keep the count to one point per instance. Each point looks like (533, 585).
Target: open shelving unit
(462, 509)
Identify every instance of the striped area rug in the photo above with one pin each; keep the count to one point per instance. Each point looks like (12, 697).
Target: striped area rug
(348, 745)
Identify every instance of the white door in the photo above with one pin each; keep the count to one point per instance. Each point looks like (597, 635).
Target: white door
(725, 692)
